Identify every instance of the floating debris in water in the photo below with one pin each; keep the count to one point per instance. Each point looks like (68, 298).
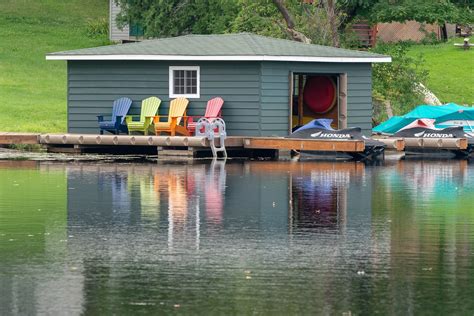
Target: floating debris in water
(140, 303)
(273, 204)
(248, 277)
(360, 272)
(176, 305)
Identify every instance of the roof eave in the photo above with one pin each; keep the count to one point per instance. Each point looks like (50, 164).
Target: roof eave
(384, 59)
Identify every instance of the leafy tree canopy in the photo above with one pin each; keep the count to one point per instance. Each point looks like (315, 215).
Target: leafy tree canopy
(162, 18)
(427, 11)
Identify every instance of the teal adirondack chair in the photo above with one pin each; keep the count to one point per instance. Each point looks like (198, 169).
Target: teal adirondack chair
(148, 111)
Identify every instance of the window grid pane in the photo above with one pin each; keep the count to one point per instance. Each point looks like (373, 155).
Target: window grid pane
(178, 87)
(185, 81)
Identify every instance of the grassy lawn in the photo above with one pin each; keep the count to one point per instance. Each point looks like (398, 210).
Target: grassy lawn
(33, 90)
(451, 70)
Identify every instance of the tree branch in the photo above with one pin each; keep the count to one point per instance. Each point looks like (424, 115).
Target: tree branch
(286, 14)
(290, 29)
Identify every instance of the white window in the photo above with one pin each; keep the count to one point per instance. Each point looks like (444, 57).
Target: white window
(184, 81)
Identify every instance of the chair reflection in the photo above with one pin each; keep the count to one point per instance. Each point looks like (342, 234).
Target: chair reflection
(190, 198)
(186, 188)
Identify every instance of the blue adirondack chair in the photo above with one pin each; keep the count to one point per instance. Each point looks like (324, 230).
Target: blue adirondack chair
(116, 124)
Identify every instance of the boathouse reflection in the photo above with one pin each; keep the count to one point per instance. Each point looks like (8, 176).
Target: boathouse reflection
(223, 210)
(271, 196)
(319, 192)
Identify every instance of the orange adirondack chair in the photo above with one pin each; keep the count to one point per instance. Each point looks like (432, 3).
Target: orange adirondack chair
(213, 110)
(177, 113)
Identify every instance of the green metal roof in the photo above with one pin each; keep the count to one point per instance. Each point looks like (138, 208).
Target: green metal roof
(242, 46)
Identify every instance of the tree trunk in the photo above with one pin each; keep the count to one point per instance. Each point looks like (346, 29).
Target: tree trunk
(290, 24)
(428, 96)
(331, 11)
(388, 108)
(444, 32)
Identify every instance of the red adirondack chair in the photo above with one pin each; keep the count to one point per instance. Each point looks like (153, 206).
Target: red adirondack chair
(213, 110)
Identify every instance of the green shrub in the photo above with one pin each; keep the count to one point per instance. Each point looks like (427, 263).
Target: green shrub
(395, 82)
(97, 28)
(28, 147)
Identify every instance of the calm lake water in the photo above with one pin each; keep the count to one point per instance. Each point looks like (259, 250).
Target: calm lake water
(237, 238)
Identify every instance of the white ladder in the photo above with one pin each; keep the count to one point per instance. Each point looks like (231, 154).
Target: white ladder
(212, 129)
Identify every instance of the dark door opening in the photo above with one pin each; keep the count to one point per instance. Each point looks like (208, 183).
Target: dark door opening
(315, 95)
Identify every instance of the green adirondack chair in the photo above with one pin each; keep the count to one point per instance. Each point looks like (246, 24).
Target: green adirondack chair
(148, 111)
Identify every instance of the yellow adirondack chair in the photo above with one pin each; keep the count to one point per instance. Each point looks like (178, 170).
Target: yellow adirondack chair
(148, 111)
(177, 113)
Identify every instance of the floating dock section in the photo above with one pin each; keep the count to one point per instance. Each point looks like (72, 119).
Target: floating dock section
(304, 144)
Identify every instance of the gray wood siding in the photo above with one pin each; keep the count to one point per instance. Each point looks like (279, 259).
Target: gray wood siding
(275, 85)
(94, 85)
(115, 33)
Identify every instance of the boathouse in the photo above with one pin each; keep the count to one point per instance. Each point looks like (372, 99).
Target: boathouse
(269, 85)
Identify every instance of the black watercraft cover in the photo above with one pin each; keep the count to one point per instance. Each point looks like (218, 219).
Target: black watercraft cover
(423, 132)
(321, 129)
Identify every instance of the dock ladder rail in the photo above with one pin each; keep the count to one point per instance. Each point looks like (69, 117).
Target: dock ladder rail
(212, 129)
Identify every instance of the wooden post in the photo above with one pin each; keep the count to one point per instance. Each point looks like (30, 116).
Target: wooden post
(342, 101)
(373, 36)
(300, 100)
(290, 110)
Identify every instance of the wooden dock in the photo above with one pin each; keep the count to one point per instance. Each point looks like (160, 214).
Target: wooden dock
(9, 138)
(182, 141)
(198, 143)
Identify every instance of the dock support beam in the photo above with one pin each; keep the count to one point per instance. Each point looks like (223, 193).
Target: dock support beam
(283, 154)
(342, 101)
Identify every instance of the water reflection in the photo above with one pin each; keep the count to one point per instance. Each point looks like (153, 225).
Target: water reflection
(303, 195)
(427, 239)
(236, 237)
(320, 194)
